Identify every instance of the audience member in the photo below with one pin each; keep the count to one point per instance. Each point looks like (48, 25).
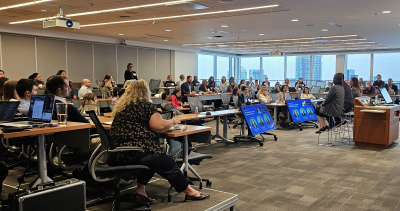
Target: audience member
(213, 88)
(362, 83)
(182, 78)
(176, 98)
(169, 82)
(63, 73)
(242, 83)
(333, 104)
(300, 83)
(195, 81)
(166, 104)
(370, 87)
(135, 110)
(276, 89)
(1, 73)
(379, 83)
(88, 99)
(109, 77)
(355, 87)
(9, 91)
(3, 79)
(306, 94)
(235, 92)
(266, 83)
(391, 88)
(204, 87)
(106, 90)
(37, 78)
(223, 84)
(250, 82)
(287, 83)
(187, 88)
(329, 86)
(243, 98)
(85, 88)
(230, 87)
(130, 73)
(211, 79)
(263, 96)
(231, 79)
(25, 89)
(282, 110)
(117, 93)
(348, 101)
(259, 87)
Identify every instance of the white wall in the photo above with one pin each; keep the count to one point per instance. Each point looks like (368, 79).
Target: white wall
(340, 63)
(185, 63)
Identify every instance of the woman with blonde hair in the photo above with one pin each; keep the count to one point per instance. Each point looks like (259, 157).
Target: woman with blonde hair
(263, 96)
(9, 91)
(88, 99)
(137, 123)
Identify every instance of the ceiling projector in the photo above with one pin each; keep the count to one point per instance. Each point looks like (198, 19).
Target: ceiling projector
(60, 20)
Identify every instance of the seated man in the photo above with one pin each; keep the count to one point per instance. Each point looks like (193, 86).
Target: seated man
(86, 84)
(166, 104)
(391, 88)
(243, 98)
(370, 87)
(25, 89)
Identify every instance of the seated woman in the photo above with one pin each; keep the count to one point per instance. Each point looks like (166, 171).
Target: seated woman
(300, 83)
(242, 83)
(263, 96)
(136, 110)
(287, 83)
(176, 98)
(235, 92)
(109, 77)
(282, 110)
(9, 91)
(213, 88)
(259, 87)
(106, 90)
(355, 87)
(231, 87)
(169, 82)
(204, 87)
(306, 94)
(88, 99)
(329, 87)
(223, 84)
(333, 104)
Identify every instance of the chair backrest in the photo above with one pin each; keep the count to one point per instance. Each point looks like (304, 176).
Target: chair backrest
(322, 84)
(196, 89)
(222, 89)
(315, 89)
(274, 96)
(235, 100)
(154, 83)
(41, 91)
(98, 84)
(195, 102)
(174, 148)
(98, 93)
(226, 98)
(111, 107)
(166, 115)
(322, 90)
(77, 103)
(106, 141)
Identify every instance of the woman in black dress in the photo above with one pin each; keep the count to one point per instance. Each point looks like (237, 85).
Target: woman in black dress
(130, 73)
(137, 123)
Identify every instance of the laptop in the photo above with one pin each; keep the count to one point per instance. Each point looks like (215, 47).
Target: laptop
(366, 92)
(292, 89)
(40, 112)
(7, 110)
(386, 96)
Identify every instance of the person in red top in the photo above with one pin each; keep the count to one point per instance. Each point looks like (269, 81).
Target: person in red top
(176, 98)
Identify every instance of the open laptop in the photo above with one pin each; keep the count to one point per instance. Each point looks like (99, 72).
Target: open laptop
(366, 92)
(40, 112)
(7, 110)
(292, 89)
(386, 96)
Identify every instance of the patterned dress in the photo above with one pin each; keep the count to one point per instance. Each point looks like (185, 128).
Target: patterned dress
(131, 128)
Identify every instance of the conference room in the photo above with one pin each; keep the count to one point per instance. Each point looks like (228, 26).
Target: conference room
(199, 105)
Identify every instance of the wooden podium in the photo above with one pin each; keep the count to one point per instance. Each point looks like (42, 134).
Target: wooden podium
(375, 126)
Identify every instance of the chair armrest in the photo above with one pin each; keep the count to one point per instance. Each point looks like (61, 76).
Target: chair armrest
(94, 136)
(124, 149)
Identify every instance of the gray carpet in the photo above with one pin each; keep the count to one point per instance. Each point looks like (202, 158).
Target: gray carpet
(295, 173)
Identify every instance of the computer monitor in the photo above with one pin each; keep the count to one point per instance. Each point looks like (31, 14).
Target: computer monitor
(301, 110)
(258, 119)
(41, 108)
(385, 95)
(7, 110)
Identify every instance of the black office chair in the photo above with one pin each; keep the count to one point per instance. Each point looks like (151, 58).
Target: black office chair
(102, 172)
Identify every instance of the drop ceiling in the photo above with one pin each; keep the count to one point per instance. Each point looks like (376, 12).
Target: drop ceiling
(364, 26)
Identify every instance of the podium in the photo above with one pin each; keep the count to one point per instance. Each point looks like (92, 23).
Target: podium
(375, 126)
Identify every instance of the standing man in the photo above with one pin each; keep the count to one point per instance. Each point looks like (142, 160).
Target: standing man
(391, 88)
(85, 88)
(25, 89)
(379, 83)
(187, 88)
(129, 73)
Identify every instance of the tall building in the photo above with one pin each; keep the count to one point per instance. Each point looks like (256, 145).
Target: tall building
(348, 74)
(243, 73)
(303, 68)
(317, 68)
(255, 74)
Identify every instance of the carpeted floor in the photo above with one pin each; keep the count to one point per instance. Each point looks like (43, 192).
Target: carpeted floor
(295, 173)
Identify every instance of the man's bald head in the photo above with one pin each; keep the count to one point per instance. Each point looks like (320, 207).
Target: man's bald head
(86, 82)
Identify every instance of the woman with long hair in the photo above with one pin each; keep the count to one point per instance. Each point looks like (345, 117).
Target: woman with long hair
(109, 77)
(287, 83)
(9, 91)
(137, 123)
(224, 84)
(263, 96)
(88, 99)
(306, 94)
(106, 90)
(355, 87)
(242, 83)
(176, 98)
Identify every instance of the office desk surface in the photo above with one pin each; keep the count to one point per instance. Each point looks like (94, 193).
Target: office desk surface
(165, 87)
(194, 95)
(190, 129)
(275, 104)
(104, 100)
(379, 107)
(37, 131)
(188, 117)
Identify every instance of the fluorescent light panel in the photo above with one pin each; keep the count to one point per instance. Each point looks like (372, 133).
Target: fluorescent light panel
(24, 4)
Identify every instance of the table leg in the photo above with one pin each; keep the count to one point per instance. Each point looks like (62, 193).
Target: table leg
(243, 126)
(42, 165)
(225, 128)
(185, 153)
(217, 126)
(276, 116)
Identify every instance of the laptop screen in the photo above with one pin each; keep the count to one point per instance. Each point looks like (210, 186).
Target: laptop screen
(385, 95)
(41, 108)
(7, 110)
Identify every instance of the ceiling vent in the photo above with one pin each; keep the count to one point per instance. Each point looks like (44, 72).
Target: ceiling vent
(333, 24)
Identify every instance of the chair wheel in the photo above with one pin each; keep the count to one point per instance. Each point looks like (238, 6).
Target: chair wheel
(301, 129)
(276, 138)
(261, 144)
(208, 184)
(316, 126)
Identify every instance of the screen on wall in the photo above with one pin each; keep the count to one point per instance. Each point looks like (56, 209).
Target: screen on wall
(301, 110)
(258, 119)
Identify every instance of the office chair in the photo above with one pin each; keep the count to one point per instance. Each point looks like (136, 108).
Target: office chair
(154, 83)
(102, 172)
(111, 107)
(195, 102)
(196, 89)
(77, 103)
(274, 96)
(98, 93)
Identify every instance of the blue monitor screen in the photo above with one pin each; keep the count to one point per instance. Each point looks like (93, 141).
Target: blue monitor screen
(258, 119)
(301, 110)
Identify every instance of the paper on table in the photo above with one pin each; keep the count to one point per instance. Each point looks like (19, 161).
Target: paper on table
(108, 123)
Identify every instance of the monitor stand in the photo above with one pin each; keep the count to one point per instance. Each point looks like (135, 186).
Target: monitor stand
(251, 138)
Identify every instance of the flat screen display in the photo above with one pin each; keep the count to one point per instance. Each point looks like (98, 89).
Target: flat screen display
(301, 110)
(7, 110)
(258, 119)
(41, 108)
(385, 95)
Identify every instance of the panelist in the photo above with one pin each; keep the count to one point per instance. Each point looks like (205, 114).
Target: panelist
(169, 82)
(130, 73)
(187, 88)
(135, 110)
(391, 88)
(306, 94)
(379, 83)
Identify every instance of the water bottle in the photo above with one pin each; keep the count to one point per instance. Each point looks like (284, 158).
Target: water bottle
(197, 111)
(377, 101)
(102, 96)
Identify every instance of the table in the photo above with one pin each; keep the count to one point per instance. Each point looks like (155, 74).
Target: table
(215, 96)
(40, 133)
(275, 106)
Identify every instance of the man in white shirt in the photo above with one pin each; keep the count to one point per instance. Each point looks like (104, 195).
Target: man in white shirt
(25, 89)
(86, 84)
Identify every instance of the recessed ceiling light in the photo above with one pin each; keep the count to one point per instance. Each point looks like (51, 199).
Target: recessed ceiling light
(224, 26)
(121, 34)
(24, 4)
(324, 30)
(386, 12)
(261, 34)
(295, 20)
(165, 40)
(168, 30)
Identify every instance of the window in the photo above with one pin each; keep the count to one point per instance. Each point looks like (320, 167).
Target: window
(205, 66)
(324, 67)
(274, 68)
(250, 67)
(359, 66)
(291, 69)
(222, 67)
(387, 64)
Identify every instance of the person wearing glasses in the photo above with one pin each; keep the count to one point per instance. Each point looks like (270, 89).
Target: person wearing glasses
(130, 73)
